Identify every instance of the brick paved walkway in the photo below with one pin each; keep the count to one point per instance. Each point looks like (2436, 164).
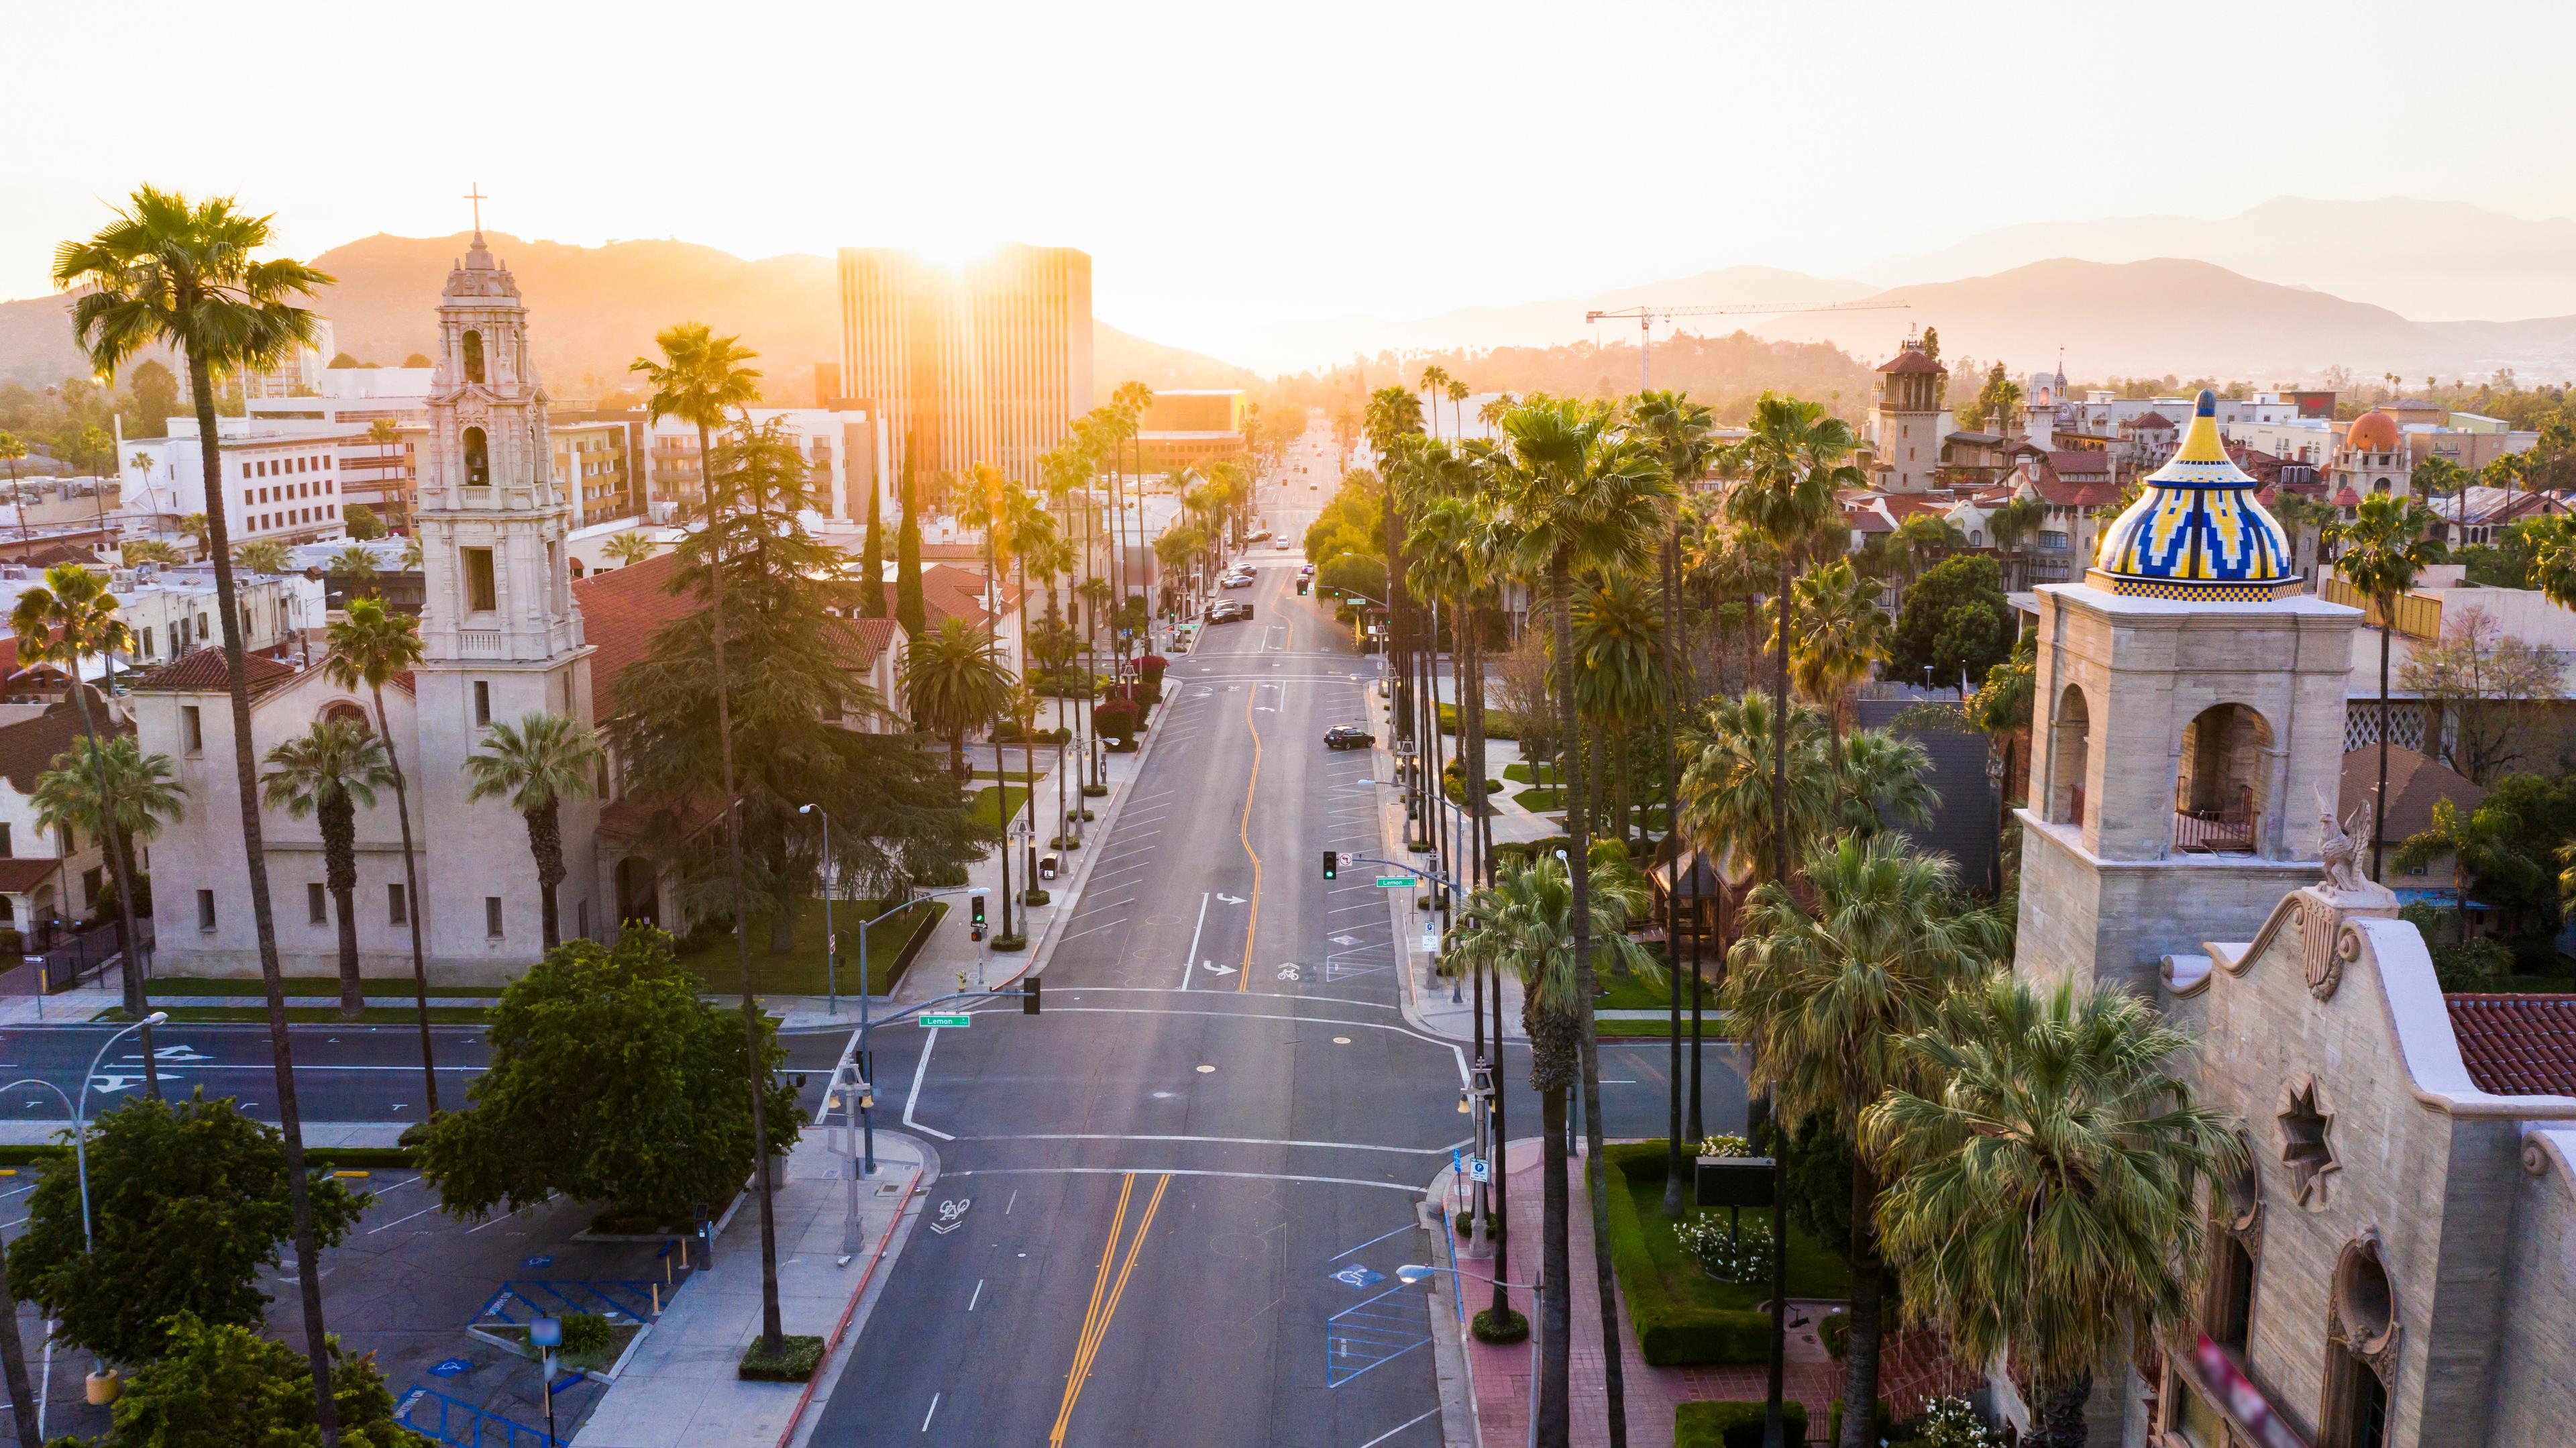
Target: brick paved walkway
(1914, 1365)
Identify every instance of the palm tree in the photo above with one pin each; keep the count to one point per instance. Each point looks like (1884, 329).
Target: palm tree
(953, 683)
(1884, 783)
(142, 794)
(182, 274)
(354, 561)
(1618, 655)
(1728, 803)
(699, 379)
(2013, 524)
(1845, 636)
(1823, 999)
(1533, 922)
(1585, 498)
(66, 620)
(538, 764)
(261, 555)
(149, 550)
(2379, 553)
(331, 771)
(1129, 402)
(371, 647)
(193, 527)
(634, 546)
(2041, 1201)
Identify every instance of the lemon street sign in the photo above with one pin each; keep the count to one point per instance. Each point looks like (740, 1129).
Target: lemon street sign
(1393, 882)
(932, 1023)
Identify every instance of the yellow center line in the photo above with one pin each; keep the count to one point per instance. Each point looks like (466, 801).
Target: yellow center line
(1091, 1315)
(1094, 1331)
(1243, 977)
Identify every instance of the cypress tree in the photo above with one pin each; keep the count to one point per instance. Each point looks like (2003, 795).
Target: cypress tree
(872, 599)
(908, 608)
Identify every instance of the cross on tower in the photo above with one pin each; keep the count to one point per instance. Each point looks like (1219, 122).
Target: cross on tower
(475, 195)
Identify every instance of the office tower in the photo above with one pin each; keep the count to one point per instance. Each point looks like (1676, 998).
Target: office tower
(986, 362)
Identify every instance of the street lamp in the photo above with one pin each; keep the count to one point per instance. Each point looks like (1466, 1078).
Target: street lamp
(831, 940)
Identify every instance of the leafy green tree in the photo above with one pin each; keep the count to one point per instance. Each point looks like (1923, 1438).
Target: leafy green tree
(188, 1204)
(1954, 619)
(370, 647)
(610, 1081)
(361, 523)
(628, 548)
(2044, 1161)
(330, 772)
(156, 398)
(142, 792)
(2379, 553)
(536, 765)
(222, 1385)
(1823, 994)
(2013, 525)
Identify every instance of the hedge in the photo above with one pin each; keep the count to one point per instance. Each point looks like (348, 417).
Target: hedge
(1670, 1333)
(1726, 1424)
(1498, 722)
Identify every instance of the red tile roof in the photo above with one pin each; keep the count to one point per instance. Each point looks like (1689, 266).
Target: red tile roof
(1912, 359)
(203, 672)
(29, 748)
(2148, 419)
(2517, 1045)
(19, 875)
(2058, 492)
(2079, 462)
(622, 608)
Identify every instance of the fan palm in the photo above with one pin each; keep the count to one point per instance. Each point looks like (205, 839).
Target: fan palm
(634, 546)
(183, 274)
(2379, 553)
(2044, 1160)
(66, 620)
(1619, 679)
(1884, 783)
(1846, 634)
(2013, 524)
(536, 765)
(1584, 498)
(370, 647)
(331, 771)
(353, 562)
(141, 790)
(1728, 804)
(261, 555)
(149, 550)
(699, 379)
(1823, 1001)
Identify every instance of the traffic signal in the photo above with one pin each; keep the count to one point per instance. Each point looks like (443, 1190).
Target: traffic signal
(1332, 864)
(1029, 1001)
(1301, 588)
(975, 919)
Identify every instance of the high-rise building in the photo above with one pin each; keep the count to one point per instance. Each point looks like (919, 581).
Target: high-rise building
(989, 362)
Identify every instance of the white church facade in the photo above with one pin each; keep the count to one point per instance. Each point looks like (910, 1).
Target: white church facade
(503, 639)
(2397, 1267)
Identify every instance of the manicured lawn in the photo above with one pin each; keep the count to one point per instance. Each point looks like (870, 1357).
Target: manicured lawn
(304, 985)
(374, 1015)
(801, 971)
(1813, 1271)
(1712, 1027)
(979, 807)
(1540, 801)
(1623, 992)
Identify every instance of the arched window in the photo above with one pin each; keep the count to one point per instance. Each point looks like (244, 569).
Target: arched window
(343, 709)
(2361, 1350)
(474, 357)
(2224, 779)
(2072, 744)
(478, 457)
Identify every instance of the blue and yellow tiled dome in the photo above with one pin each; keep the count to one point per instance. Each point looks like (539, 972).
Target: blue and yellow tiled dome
(2196, 533)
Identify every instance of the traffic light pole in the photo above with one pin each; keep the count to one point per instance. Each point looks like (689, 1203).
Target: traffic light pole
(853, 1088)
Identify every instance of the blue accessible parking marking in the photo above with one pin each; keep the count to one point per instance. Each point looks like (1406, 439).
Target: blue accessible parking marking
(1356, 1275)
(449, 1367)
(534, 1263)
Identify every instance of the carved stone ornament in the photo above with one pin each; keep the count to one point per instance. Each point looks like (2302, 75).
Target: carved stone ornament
(2361, 1308)
(2306, 1145)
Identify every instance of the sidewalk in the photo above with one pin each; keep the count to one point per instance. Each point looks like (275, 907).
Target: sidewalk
(678, 1387)
(1912, 1368)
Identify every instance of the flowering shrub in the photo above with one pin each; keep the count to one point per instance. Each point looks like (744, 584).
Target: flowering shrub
(1951, 1423)
(1725, 1146)
(1724, 1252)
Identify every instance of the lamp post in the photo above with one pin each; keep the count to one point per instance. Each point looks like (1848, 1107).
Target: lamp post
(831, 940)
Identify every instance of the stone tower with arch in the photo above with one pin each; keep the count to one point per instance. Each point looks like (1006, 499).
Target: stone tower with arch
(2188, 708)
(501, 634)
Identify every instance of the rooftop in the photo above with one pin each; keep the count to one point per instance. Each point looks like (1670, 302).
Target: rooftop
(2517, 1045)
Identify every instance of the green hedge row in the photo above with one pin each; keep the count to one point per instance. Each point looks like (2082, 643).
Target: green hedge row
(1671, 1333)
(1498, 722)
(1726, 1424)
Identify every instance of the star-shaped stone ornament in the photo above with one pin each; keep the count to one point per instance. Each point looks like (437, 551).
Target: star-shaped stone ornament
(2305, 1149)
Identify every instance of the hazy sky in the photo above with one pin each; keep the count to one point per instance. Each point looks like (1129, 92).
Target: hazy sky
(1226, 163)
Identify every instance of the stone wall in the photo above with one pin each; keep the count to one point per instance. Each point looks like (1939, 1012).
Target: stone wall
(2535, 1363)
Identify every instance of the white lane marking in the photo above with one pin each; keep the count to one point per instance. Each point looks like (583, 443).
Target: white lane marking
(1094, 930)
(919, 1070)
(1409, 1188)
(1221, 1141)
(1398, 1428)
(1186, 971)
(398, 1221)
(934, 1409)
(1096, 909)
(1456, 1050)
(978, 1297)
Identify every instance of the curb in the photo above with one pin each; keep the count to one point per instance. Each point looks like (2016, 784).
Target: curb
(900, 1226)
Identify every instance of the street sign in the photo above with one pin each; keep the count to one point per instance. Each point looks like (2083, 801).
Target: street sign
(1393, 882)
(933, 1023)
(1480, 1170)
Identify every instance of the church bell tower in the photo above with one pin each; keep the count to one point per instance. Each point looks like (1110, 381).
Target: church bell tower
(501, 635)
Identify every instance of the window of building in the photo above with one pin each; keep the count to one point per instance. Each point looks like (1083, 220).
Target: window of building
(482, 702)
(317, 905)
(482, 588)
(397, 909)
(205, 910)
(473, 342)
(478, 456)
(492, 916)
(192, 729)
(5, 851)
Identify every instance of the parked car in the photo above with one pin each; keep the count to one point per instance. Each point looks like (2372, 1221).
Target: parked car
(1349, 736)
(1235, 580)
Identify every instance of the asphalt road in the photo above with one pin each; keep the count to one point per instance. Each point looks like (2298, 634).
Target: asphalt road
(1221, 1108)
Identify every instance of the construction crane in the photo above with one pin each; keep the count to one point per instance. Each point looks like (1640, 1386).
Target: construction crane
(1648, 315)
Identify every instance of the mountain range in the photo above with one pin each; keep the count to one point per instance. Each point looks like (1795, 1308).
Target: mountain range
(593, 310)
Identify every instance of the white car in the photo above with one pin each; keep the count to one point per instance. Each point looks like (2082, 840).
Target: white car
(1236, 580)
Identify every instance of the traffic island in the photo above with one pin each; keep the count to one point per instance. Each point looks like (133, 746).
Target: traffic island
(794, 1362)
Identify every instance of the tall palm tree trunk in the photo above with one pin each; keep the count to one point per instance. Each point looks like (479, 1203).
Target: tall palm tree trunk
(772, 1335)
(545, 842)
(129, 941)
(281, 1046)
(1676, 1197)
(1771, 1418)
(1556, 1278)
(2379, 800)
(411, 907)
(338, 816)
(1868, 1299)
(1579, 874)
